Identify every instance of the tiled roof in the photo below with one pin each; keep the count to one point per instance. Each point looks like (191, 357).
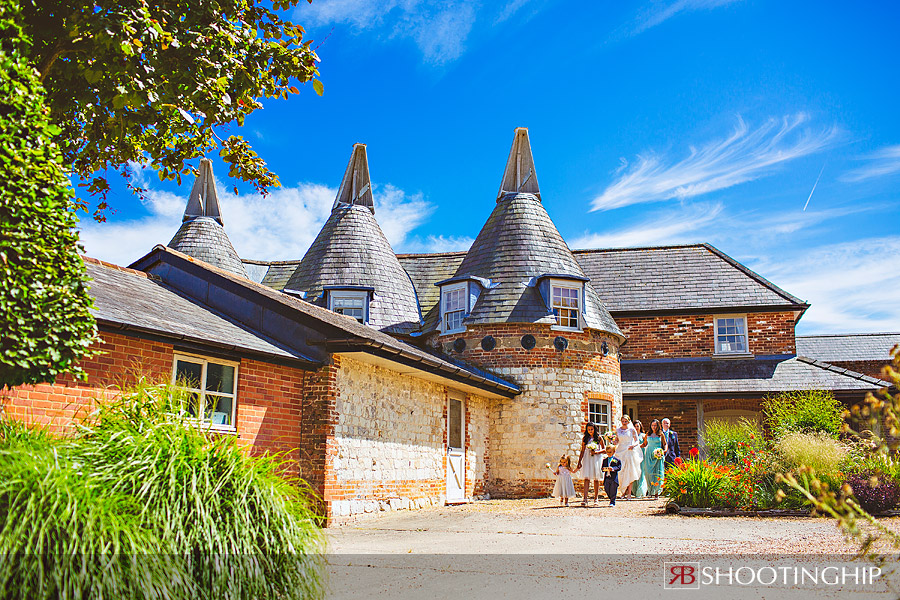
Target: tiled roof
(518, 243)
(351, 250)
(343, 331)
(277, 272)
(425, 270)
(128, 299)
(848, 346)
(677, 278)
(204, 239)
(699, 376)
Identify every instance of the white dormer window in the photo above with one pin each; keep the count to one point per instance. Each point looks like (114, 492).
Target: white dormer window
(565, 302)
(731, 335)
(453, 307)
(350, 303)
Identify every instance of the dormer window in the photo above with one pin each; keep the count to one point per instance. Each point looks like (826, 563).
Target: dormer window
(350, 302)
(731, 335)
(454, 301)
(564, 295)
(566, 305)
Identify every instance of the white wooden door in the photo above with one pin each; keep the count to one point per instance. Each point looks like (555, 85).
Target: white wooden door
(456, 455)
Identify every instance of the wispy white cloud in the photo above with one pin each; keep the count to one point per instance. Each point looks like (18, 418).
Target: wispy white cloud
(658, 12)
(885, 161)
(850, 286)
(669, 227)
(743, 156)
(280, 226)
(439, 29)
(438, 243)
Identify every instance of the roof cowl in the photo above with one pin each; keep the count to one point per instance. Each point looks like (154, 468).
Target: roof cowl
(356, 187)
(204, 199)
(519, 175)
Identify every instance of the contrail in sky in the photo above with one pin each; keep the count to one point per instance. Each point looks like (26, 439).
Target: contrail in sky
(814, 187)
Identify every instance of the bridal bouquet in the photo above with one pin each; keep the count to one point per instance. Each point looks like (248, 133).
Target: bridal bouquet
(592, 446)
(658, 453)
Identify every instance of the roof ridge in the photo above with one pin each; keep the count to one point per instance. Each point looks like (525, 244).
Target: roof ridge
(109, 265)
(269, 263)
(433, 254)
(754, 275)
(627, 248)
(842, 371)
(813, 335)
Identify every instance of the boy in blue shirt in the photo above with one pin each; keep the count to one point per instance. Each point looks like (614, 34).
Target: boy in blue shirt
(610, 468)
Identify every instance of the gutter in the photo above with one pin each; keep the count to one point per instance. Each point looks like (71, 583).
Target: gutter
(449, 370)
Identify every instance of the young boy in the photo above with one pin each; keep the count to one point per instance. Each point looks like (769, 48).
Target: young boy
(610, 468)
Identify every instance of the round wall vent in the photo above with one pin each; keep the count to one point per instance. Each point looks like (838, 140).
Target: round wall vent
(528, 341)
(560, 343)
(459, 344)
(488, 343)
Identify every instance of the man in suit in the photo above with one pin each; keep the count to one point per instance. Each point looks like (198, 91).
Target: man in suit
(672, 449)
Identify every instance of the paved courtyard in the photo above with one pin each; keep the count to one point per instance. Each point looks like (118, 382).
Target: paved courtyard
(537, 549)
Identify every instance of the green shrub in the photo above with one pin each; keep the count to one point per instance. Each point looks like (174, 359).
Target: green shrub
(823, 454)
(142, 503)
(805, 411)
(698, 484)
(732, 442)
(44, 305)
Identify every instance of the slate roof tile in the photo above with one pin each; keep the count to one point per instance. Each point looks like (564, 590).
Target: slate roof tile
(848, 347)
(204, 239)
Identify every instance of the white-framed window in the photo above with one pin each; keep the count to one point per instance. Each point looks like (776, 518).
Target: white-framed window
(731, 335)
(454, 304)
(212, 384)
(598, 414)
(565, 302)
(350, 303)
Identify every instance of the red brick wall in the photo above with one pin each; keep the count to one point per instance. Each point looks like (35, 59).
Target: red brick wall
(679, 336)
(318, 419)
(269, 396)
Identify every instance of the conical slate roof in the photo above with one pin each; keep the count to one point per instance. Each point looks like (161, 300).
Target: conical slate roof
(202, 235)
(352, 251)
(518, 244)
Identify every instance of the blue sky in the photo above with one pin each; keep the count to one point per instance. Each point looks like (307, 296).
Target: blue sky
(651, 123)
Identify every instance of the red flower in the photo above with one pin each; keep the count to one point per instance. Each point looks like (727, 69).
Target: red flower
(694, 453)
(678, 461)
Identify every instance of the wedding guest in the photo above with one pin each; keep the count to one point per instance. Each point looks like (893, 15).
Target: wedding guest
(564, 488)
(589, 461)
(639, 487)
(654, 465)
(628, 451)
(672, 449)
(611, 467)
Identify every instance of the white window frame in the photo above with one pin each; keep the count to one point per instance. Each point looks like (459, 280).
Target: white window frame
(604, 410)
(579, 290)
(204, 361)
(362, 295)
(746, 336)
(447, 289)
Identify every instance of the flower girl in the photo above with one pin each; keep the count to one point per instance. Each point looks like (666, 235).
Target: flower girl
(564, 488)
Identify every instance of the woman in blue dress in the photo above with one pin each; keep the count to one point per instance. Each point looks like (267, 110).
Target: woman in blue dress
(654, 468)
(640, 486)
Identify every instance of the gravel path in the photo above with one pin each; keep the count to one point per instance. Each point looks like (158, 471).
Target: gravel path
(537, 549)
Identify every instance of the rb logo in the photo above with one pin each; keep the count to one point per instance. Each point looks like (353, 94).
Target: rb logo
(681, 576)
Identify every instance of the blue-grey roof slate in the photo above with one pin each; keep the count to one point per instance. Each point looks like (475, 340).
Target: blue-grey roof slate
(848, 347)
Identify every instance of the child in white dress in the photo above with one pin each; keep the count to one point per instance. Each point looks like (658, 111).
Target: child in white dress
(564, 488)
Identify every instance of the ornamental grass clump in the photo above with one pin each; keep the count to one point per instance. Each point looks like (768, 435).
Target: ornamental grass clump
(732, 442)
(143, 503)
(806, 411)
(818, 451)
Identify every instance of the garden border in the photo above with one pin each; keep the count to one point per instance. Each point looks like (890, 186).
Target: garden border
(674, 509)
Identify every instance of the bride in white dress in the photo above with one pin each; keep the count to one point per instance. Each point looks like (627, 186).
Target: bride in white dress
(628, 450)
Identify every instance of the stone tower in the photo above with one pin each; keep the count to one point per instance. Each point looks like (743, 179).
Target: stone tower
(202, 232)
(520, 305)
(350, 267)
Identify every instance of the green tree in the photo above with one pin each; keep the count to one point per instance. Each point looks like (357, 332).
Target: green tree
(44, 306)
(804, 411)
(130, 81)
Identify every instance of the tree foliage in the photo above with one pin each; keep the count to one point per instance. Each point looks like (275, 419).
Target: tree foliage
(44, 306)
(129, 81)
(804, 411)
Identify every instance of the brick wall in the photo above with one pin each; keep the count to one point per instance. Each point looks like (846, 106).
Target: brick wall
(693, 335)
(269, 396)
(547, 419)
